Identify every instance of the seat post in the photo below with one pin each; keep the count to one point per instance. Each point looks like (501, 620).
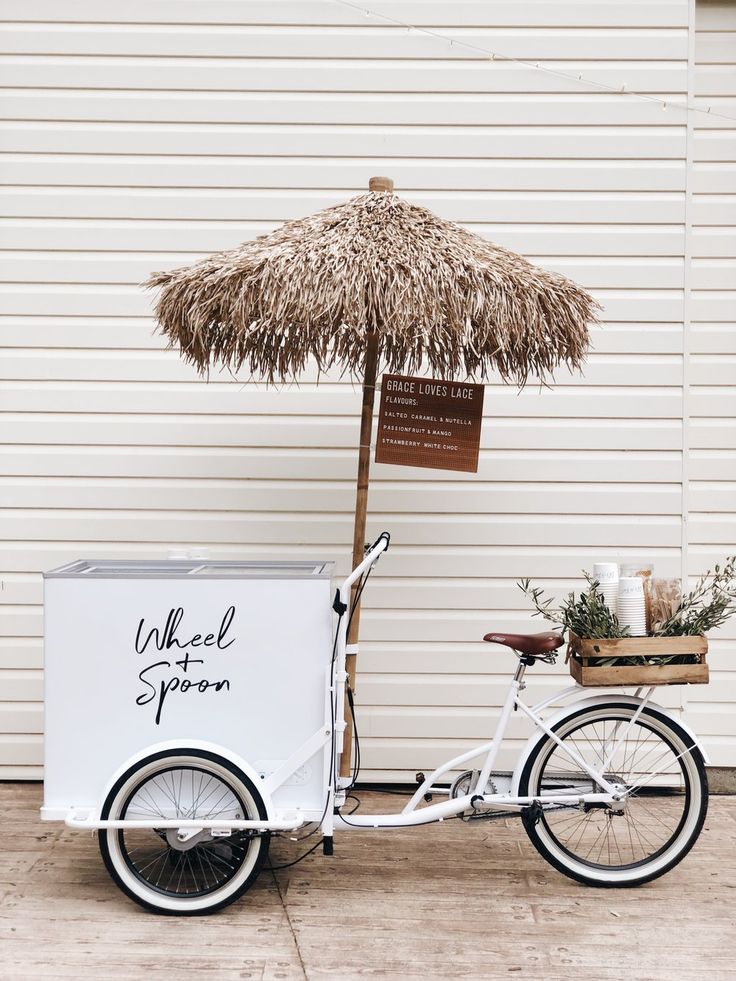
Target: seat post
(524, 661)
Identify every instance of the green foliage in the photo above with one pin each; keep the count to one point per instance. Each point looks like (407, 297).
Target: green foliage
(587, 615)
(707, 606)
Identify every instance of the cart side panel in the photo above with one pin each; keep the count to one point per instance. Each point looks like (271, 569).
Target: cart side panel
(130, 663)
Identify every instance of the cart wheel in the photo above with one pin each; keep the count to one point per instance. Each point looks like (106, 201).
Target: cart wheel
(151, 865)
(662, 811)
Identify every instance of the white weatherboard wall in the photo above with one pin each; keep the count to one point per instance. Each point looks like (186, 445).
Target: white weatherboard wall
(711, 396)
(139, 136)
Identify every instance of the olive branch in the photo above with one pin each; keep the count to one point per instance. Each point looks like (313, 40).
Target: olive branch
(587, 615)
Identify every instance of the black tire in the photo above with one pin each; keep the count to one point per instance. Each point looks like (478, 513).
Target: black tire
(584, 844)
(229, 866)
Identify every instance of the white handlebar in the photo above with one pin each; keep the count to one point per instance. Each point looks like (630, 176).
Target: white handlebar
(371, 556)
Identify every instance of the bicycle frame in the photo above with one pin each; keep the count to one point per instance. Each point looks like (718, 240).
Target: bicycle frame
(412, 814)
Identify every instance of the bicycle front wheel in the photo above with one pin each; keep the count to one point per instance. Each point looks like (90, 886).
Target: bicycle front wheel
(665, 795)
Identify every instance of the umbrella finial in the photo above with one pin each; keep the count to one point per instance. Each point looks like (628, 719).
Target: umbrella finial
(380, 184)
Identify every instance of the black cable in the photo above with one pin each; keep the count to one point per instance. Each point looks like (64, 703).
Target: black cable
(288, 865)
(357, 802)
(356, 767)
(356, 743)
(351, 703)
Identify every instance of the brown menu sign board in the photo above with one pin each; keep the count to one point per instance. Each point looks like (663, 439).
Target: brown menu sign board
(425, 422)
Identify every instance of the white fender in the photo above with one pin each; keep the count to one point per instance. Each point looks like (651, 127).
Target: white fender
(178, 744)
(538, 736)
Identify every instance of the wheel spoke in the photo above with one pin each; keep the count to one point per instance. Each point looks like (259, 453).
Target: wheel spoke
(638, 755)
(191, 793)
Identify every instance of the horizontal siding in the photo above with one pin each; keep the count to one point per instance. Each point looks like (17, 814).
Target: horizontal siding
(154, 170)
(329, 75)
(417, 142)
(712, 340)
(267, 527)
(392, 109)
(213, 496)
(324, 464)
(215, 210)
(382, 43)
(489, 14)
(141, 136)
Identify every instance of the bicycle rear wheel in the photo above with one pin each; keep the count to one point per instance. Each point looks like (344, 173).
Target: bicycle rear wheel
(665, 803)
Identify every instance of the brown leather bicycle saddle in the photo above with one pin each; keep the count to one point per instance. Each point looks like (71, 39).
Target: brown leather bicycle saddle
(534, 645)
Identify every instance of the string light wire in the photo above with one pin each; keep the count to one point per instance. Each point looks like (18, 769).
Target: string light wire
(534, 66)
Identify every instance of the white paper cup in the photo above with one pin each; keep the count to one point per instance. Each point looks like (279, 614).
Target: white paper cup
(631, 606)
(630, 587)
(610, 597)
(637, 631)
(632, 620)
(605, 572)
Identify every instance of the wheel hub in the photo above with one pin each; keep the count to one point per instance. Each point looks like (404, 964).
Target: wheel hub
(186, 839)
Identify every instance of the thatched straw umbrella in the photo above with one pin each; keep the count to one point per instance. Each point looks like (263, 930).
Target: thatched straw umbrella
(375, 279)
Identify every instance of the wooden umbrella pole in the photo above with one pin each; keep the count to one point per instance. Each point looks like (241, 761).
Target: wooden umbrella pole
(361, 507)
(384, 184)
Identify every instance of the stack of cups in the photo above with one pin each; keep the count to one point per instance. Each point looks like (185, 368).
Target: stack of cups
(631, 605)
(607, 575)
(645, 571)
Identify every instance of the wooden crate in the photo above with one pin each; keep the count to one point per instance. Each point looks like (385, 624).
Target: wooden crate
(583, 655)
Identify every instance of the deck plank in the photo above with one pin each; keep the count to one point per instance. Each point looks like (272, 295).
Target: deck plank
(454, 900)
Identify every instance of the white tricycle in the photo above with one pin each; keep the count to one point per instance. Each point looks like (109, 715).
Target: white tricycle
(611, 790)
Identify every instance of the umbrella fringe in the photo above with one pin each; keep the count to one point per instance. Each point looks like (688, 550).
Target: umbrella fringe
(440, 298)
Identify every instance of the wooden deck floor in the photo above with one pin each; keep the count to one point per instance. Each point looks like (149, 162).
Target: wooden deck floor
(443, 901)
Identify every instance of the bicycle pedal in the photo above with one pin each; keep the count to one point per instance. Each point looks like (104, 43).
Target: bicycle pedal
(530, 815)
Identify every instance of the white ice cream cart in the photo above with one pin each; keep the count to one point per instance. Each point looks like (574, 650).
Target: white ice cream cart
(194, 709)
(227, 659)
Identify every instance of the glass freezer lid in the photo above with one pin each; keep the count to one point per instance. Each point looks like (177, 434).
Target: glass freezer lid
(192, 568)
